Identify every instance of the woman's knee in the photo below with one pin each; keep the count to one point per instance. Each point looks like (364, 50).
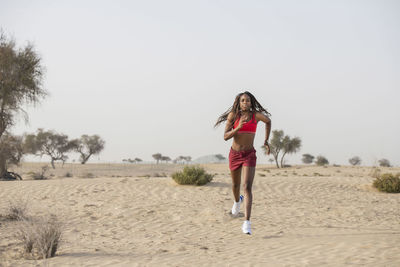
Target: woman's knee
(247, 187)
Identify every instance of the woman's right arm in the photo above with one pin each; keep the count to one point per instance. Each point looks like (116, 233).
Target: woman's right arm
(229, 131)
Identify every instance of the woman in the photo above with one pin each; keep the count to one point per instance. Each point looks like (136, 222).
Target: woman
(242, 119)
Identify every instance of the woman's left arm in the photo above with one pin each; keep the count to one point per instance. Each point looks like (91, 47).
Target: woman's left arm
(267, 121)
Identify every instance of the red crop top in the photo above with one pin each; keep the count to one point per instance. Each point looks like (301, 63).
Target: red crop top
(248, 127)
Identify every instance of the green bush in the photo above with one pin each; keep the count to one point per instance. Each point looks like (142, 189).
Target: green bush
(192, 175)
(388, 182)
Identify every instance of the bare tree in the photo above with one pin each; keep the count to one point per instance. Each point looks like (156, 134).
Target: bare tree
(355, 161)
(87, 146)
(21, 74)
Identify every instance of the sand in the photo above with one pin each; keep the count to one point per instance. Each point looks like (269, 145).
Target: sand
(125, 216)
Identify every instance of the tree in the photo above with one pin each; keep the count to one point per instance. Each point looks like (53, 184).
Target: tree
(157, 157)
(282, 143)
(276, 144)
(11, 151)
(187, 159)
(87, 146)
(290, 146)
(307, 158)
(49, 143)
(138, 160)
(220, 157)
(321, 161)
(384, 163)
(355, 161)
(165, 158)
(21, 74)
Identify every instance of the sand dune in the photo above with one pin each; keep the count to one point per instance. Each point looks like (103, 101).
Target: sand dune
(302, 216)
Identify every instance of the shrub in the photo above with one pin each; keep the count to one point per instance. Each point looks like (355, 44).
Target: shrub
(192, 175)
(321, 161)
(375, 173)
(16, 210)
(68, 174)
(355, 161)
(307, 158)
(40, 175)
(87, 175)
(41, 237)
(384, 163)
(388, 182)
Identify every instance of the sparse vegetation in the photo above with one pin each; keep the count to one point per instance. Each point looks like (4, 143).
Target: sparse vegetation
(281, 142)
(40, 175)
(87, 175)
(388, 182)
(375, 173)
(87, 146)
(16, 210)
(192, 175)
(50, 143)
(355, 161)
(40, 237)
(307, 158)
(384, 163)
(321, 161)
(21, 75)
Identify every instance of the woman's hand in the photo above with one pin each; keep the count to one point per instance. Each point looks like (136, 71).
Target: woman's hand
(267, 148)
(241, 122)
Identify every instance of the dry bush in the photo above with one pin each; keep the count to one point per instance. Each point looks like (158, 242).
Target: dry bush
(40, 175)
(87, 175)
(192, 175)
(41, 237)
(16, 210)
(375, 173)
(68, 174)
(388, 182)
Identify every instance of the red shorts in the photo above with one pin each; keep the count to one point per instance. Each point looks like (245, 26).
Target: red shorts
(239, 158)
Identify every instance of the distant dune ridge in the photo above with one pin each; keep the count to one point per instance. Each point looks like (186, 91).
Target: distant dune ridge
(136, 215)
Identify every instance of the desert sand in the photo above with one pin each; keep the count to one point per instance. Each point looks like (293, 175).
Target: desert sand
(136, 215)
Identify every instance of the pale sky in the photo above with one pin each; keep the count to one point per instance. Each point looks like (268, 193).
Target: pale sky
(153, 76)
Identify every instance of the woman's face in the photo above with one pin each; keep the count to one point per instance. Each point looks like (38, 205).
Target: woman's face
(245, 102)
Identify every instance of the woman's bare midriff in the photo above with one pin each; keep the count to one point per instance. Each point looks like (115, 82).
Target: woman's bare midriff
(243, 141)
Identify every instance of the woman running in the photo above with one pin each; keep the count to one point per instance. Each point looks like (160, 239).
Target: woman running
(242, 119)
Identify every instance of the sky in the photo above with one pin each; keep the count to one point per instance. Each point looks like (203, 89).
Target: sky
(153, 76)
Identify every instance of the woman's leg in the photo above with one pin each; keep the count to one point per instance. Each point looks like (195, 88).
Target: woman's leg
(236, 177)
(248, 175)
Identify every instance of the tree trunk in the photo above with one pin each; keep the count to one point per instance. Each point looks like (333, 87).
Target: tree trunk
(276, 160)
(52, 163)
(3, 167)
(282, 159)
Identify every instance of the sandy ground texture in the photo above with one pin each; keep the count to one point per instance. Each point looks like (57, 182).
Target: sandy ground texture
(136, 215)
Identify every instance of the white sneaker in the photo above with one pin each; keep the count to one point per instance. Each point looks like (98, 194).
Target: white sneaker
(246, 227)
(236, 206)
